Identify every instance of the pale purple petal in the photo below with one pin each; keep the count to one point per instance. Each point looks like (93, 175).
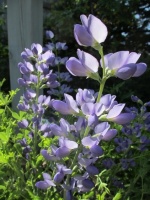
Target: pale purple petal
(92, 120)
(96, 150)
(58, 177)
(118, 59)
(56, 130)
(99, 109)
(97, 29)
(115, 111)
(42, 185)
(89, 141)
(106, 57)
(133, 57)
(61, 107)
(82, 36)
(46, 176)
(126, 71)
(75, 67)
(109, 134)
(123, 118)
(62, 152)
(46, 155)
(84, 20)
(36, 48)
(71, 103)
(87, 108)
(102, 128)
(88, 61)
(71, 144)
(141, 68)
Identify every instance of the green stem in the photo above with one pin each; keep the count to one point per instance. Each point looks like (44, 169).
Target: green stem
(104, 78)
(101, 89)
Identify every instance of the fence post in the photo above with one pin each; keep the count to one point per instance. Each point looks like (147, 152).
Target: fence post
(25, 26)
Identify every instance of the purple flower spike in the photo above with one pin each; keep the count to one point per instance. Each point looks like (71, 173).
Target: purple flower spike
(86, 64)
(91, 32)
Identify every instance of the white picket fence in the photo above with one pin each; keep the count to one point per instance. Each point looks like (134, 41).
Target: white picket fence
(25, 26)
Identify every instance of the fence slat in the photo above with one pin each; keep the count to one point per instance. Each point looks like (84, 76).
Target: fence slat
(25, 26)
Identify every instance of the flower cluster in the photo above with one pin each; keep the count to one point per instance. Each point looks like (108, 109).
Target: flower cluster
(63, 77)
(36, 75)
(93, 113)
(74, 147)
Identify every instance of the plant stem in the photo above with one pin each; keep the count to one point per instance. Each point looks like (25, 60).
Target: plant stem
(101, 89)
(104, 78)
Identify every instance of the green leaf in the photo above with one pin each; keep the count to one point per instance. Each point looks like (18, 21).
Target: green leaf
(117, 196)
(1, 111)
(15, 115)
(2, 187)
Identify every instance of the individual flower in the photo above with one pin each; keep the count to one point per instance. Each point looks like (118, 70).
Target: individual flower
(116, 116)
(62, 171)
(23, 124)
(84, 184)
(84, 66)
(123, 64)
(84, 96)
(66, 146)
(65, 108)
(92, 145)
(49, 34)
(91, 32)
(48, 182)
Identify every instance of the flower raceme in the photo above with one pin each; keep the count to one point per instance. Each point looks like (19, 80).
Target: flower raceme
(92, 31)
(123, 64)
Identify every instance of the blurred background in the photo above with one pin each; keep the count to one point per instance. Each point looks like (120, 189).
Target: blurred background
(128, 23)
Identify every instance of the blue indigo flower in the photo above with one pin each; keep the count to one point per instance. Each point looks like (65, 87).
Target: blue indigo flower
(84, 66)
(70, 107)
(123, 64)
(49, 34)
(108, 163)
(91, 32)
(85, 96)
(62, 171)
(48, 182)
(23, 124)
(116, 116)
